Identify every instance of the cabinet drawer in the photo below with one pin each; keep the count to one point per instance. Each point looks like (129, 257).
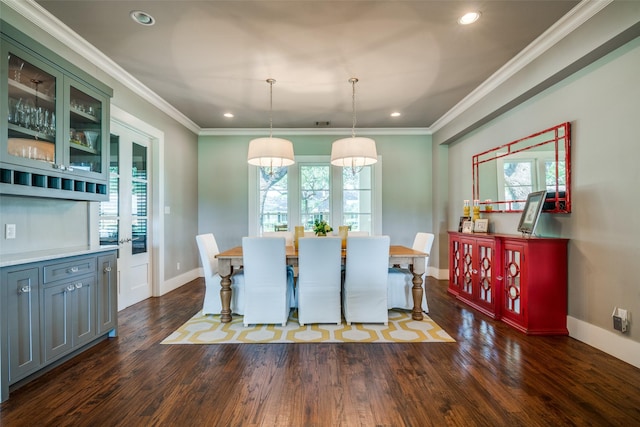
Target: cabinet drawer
(69, 269)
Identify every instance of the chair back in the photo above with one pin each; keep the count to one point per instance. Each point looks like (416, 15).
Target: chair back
(358, 234)
(423, 242)
(367, 262)
(208, 248)
(267, 293)
(365, 284)
(319, 280)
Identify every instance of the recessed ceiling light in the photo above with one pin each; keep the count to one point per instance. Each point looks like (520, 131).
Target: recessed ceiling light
(469, 18)
(229, 115)
(395, 114)
(142, 18)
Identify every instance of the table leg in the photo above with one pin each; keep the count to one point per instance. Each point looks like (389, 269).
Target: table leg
(417, 296)
(225, 270)
(225, 298)
(417, 269)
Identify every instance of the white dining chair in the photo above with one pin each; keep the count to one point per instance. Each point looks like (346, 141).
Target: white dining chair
(358, 234)
(400, 280)
(364, 295)
(288, 235)
(268, 281)
(208, 248)
(319, 280)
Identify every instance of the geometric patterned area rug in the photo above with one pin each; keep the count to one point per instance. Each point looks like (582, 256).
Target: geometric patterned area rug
(207, 329)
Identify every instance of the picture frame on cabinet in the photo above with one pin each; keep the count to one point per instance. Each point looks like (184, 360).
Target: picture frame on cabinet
(467, 226)
(531, 212)
(481, 225)
(462, 220)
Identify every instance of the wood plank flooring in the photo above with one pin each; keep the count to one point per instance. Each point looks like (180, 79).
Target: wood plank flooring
(492, 376)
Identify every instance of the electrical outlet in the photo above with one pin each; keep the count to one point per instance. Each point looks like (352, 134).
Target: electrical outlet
(10, 231)
(620, 319)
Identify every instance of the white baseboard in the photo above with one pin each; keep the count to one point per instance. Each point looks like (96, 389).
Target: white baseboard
(438, 273)
(613, 343)
(175, 282)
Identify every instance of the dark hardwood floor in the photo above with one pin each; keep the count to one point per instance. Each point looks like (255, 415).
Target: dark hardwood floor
(492, 376)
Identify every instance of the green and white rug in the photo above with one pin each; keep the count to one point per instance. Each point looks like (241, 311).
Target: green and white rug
(207, 329)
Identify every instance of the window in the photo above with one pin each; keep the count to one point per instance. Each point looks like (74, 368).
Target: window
(313, 189)
(521, 174)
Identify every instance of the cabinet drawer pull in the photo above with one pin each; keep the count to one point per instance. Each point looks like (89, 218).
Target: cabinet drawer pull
(70, 288)
(499, 277)
(24, 290)
(475, 271)
(107, 269)
(73, 269)
(78, 285)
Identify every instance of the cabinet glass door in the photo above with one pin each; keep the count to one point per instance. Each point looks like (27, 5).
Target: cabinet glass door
(85, 131)
(31, 111)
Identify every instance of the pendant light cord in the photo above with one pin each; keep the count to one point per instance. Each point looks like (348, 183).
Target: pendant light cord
(353, 81)
(271, 82)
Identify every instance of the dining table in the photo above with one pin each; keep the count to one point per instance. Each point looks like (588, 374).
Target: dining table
(231, 260)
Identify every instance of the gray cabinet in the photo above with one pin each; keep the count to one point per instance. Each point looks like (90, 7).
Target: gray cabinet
(23, 309)
(56, 142)
(53, 309)
(69, 316)
(107, 294)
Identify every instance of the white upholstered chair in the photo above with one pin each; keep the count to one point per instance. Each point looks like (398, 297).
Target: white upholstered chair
(268, 282)
(208, 249)
(319, 280)
(358, 234)
(401, 280)
(288, 235)
(364, 295)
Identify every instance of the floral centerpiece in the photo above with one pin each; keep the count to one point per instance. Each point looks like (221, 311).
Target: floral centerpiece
(321, 228)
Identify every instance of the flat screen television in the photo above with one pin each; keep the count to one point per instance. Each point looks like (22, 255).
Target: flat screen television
(531, 212)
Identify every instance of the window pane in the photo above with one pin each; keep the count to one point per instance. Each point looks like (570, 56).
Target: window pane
(357, 203)
(138, 235)
(108, 231)
(273, 199)
(109, 211)
(139, 161)
(518, 181)
(315, 194)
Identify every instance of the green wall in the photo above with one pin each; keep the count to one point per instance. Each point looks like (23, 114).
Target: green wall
(223, 183)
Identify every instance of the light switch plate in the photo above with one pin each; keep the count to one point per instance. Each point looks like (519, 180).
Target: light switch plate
(9, 231)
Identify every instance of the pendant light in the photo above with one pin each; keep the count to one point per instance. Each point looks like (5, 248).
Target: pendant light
(269, 151)
(354, 152)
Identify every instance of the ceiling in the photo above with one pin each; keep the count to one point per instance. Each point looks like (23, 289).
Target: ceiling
(206, 58)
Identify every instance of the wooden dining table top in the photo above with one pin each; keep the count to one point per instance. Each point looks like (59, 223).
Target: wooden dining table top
(291, 252)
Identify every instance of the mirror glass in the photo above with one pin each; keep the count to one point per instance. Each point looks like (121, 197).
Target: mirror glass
(504, 176)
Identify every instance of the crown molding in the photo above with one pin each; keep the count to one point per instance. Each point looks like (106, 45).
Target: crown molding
(558, 31)
(312, 131)
(38, 15)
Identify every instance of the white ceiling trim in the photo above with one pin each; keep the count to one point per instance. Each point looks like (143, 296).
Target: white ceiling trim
(558, 31)
(312, 131)
(58, 30)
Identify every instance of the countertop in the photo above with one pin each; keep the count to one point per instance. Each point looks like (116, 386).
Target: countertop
(7, 260)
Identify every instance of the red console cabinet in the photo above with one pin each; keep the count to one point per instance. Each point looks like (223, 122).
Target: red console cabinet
(521, 280)
(535, 285)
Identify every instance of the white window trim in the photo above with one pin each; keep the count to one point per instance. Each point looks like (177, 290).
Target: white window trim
(293, 182)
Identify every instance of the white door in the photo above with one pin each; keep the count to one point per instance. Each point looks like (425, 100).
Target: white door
(125, 218)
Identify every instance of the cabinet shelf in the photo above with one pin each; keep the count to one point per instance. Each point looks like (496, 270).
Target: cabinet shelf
(34, 133)
(16, 87)
(83, 115)
(80, 147)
